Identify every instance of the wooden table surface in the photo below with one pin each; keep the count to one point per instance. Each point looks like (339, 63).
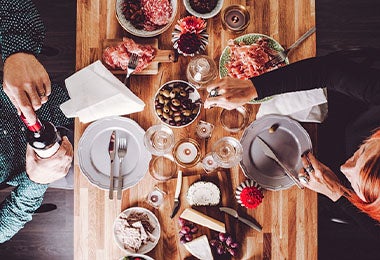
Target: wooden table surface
(289, 217)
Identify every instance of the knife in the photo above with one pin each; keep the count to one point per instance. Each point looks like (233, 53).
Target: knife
(176, 194)
(112, 152)
(234, 213)
(270, 153)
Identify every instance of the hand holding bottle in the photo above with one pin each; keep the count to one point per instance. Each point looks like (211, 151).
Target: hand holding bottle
(45, 171)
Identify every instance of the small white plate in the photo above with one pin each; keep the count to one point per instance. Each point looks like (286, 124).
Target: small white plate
(93, 155)
(156, 232)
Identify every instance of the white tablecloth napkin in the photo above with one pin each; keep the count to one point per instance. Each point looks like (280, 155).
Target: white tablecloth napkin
(303, 106)
(96, 93)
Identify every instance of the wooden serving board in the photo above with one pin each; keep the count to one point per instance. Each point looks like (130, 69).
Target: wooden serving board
(152, 69)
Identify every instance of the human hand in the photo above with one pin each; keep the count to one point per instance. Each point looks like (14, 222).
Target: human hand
(47, 170)
(232, 93)
(26, 83)
(322, 179)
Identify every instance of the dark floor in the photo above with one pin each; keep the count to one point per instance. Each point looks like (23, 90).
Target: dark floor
(340, 24)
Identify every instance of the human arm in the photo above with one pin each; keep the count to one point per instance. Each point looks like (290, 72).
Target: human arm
(341, 75)
(25, 79)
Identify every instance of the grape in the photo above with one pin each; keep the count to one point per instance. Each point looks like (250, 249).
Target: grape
(189, 237)
(185, 230)
(222, 237)
(220, 250)
(214, 242)
(181, 222)
(234, 245)
(232, 251)
(229, 241)
(194, 229)
(182, 240)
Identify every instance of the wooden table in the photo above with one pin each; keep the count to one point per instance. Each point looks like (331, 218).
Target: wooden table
(289, 217)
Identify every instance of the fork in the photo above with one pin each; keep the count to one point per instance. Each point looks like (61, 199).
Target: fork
(121, 152)
(132, 64)
(282, 55)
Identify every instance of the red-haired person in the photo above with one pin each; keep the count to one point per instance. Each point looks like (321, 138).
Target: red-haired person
(359, 85)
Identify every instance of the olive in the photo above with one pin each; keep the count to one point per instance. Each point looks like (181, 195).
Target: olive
(159, 106)
(177, 118)
(166, 93)
(183, 93)
(172, 123)
(161, 99)
(186, 112)
(177, 113)
(159, 111)
(166, 115)
(176, 102)
(171, 112)
(195, 110)
(166, 109)
(166, 101)
(174, 108)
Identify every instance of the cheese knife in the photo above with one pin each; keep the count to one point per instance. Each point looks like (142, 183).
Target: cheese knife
(270, 153)
(176, 194)
(112, 152)
(234, 213)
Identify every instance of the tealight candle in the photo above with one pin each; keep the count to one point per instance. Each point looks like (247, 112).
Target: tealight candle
(235, 18)
(204, 129)
(187, 152)
(208, 163)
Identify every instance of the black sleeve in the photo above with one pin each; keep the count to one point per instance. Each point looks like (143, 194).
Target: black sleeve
(361, 219)
(341, 75)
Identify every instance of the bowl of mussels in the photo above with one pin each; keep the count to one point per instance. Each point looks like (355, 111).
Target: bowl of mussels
(177, 103)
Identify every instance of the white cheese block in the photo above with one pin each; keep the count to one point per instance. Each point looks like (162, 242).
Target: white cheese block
(203, 220)
(200, 248)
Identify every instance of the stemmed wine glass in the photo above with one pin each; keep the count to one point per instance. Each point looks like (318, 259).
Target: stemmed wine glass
(227, 152)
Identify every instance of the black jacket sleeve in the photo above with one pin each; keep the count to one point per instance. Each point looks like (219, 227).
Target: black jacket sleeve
(342, 75)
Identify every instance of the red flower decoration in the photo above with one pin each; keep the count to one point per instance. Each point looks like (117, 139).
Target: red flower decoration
(251, 197)
(191, 24)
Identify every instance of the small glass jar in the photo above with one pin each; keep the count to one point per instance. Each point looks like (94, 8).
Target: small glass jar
(201, 70)
(234, 120)
(208, 163)
(156, 197)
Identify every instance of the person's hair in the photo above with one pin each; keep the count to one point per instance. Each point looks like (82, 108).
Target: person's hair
(369, 184)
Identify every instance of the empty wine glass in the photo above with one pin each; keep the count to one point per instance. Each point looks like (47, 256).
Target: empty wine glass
(159, 139)
(227, 152)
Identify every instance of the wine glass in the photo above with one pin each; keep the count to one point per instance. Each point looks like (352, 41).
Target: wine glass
(159, 139)
(227, 152)
(234, 120)
(162, 168)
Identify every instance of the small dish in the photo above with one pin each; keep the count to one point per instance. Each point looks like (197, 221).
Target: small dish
(129, 27)
(177, 103)
(136, 257)
(207, 14)
(119, 229)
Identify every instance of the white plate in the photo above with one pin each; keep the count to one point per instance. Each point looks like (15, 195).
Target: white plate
(94, 159)
(289, 142)
(156, 232)
(129, 27)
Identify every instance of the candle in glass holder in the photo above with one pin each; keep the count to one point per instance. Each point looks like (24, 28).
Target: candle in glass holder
(235, 18)
(156, 197)
(204, 129)
(208, 163)
(187, 153)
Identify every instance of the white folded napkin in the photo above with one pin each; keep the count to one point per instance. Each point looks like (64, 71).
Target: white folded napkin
(303, 106)
(96, 93)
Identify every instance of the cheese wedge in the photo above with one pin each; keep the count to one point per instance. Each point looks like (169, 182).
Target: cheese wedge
(203, 220)
(200, 248)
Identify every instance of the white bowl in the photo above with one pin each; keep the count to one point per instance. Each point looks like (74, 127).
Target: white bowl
(211, 14)
(145, 257)
(193, 96)
(156, 232)
(129, 27)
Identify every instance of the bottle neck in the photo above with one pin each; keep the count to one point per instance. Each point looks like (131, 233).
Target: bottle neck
(36, 127)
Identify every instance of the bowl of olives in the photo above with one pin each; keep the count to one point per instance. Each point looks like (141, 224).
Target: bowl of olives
(177, 103)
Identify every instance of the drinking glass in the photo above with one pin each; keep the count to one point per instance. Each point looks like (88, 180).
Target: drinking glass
(227, 152)
(159, 139)
(234, 120)
(162, 168)
(201, 70)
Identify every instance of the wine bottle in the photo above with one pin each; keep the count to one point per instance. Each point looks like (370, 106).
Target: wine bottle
(43, 137)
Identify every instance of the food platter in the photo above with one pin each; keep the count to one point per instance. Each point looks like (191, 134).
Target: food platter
(129, 27)
(119, 229)
(248, 39)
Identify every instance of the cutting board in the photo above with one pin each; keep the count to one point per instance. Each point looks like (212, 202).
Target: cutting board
(152, 69)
